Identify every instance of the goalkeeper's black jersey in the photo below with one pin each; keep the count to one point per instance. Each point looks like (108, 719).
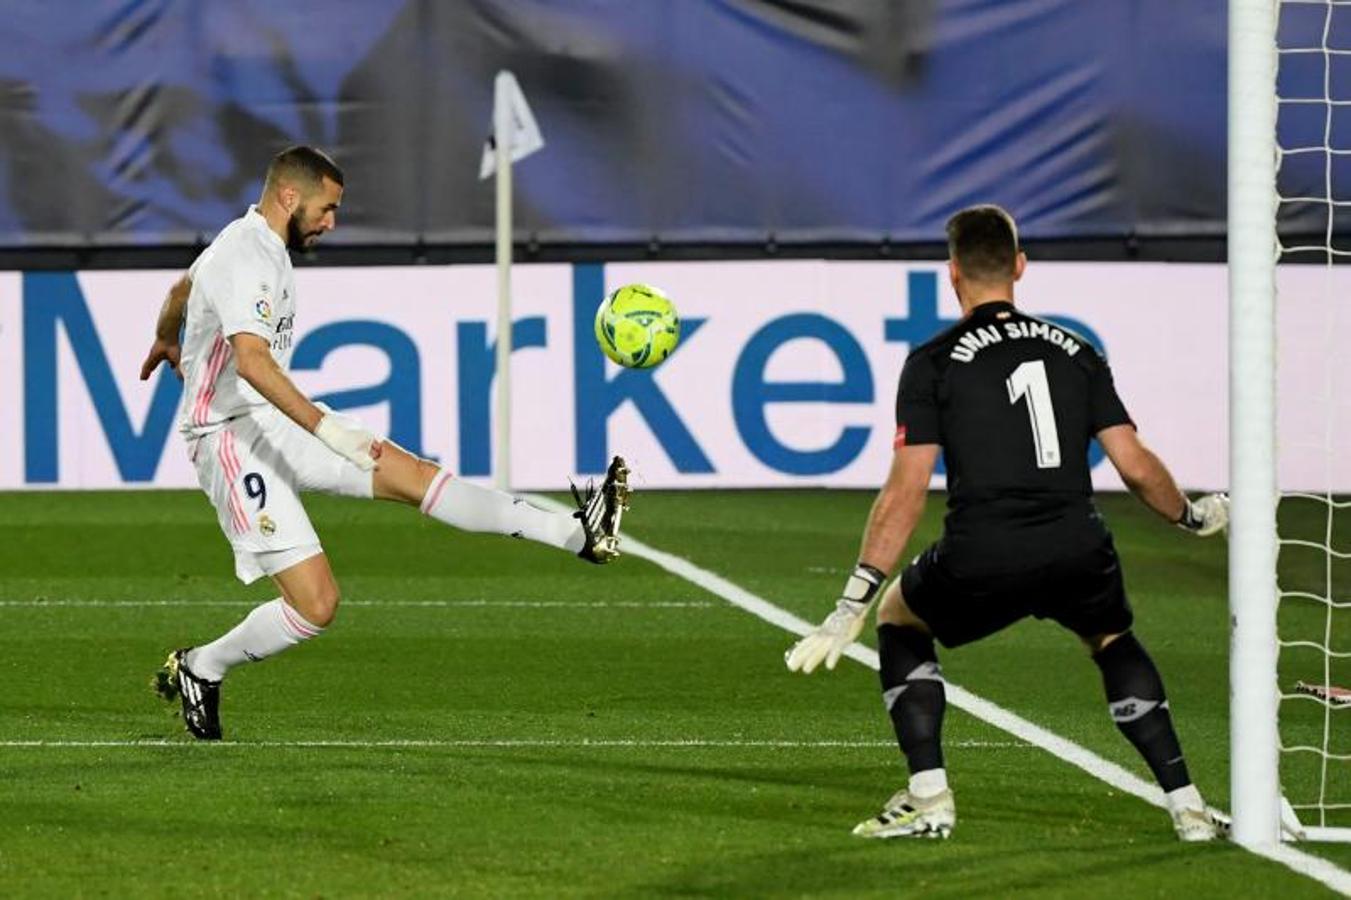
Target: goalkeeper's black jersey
(1014, 401)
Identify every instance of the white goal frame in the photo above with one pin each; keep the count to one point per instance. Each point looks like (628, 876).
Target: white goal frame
(1252, 248)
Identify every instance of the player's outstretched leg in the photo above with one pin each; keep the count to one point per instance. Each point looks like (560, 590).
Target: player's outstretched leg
(912, 689)
(1136, 700)
(592, 532)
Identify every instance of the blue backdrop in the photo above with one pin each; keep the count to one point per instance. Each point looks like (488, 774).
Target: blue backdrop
(150, 121)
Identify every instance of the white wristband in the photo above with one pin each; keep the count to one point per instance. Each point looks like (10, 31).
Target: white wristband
(863, 584)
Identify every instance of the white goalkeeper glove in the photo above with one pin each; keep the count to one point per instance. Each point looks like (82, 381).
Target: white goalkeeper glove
(1205, 516)
(352, 443)
(841, 627)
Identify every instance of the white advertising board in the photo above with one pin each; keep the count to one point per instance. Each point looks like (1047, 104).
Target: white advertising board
(785, 377)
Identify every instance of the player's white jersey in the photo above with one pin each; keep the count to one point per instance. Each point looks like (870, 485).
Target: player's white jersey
(243, 282)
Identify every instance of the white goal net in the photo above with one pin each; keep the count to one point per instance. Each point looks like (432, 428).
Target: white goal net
(1313, 137)
(1290, 434)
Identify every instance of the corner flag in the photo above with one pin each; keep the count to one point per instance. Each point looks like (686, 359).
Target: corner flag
(525, 137)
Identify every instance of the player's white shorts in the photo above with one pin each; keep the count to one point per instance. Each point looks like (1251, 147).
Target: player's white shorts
(254, 469)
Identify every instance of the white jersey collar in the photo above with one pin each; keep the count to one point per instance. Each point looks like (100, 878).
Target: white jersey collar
(255, 219)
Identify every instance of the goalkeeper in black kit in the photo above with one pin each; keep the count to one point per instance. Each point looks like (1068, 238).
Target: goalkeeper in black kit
(1012, 402)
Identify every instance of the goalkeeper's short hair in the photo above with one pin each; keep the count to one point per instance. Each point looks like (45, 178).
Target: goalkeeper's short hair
(983, 241)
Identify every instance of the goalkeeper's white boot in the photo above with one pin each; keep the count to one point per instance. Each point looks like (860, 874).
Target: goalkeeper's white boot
(906, 815)
(1197, 825)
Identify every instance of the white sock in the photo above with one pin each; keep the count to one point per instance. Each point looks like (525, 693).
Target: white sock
(929, 783)
(1185, 798)
(472, 508)
(266, 631)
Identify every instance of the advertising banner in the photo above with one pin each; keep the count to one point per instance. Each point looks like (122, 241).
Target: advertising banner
(785, 375)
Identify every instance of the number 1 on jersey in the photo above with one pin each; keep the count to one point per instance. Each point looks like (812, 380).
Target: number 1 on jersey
(1029, 380)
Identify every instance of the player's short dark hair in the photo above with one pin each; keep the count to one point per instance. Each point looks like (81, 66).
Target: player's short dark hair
(308, 165)
(983, 240)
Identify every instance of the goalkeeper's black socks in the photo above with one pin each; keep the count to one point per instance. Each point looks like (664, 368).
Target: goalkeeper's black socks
(912, 689)
(1137, 703)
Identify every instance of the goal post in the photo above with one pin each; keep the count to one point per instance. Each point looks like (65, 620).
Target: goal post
(1252, 251)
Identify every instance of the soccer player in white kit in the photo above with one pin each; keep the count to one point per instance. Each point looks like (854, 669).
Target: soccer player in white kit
(257, 441)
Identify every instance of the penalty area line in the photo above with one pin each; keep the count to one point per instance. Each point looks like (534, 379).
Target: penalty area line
(1104, 770)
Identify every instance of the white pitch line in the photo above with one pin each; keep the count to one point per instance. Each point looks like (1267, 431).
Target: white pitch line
(435, 604)
(1305, 864)
(500, 743)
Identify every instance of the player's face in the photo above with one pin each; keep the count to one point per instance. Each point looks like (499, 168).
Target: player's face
(317, 213)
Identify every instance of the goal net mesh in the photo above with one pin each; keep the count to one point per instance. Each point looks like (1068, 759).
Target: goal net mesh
(1313, 394)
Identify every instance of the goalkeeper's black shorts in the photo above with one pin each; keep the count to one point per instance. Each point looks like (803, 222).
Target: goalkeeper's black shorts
(1083, 592)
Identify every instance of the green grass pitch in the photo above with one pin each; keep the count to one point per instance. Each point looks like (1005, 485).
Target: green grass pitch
(492, 719)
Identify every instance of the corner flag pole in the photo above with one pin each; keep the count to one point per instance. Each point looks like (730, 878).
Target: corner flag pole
(502, 410)
(515, 136)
